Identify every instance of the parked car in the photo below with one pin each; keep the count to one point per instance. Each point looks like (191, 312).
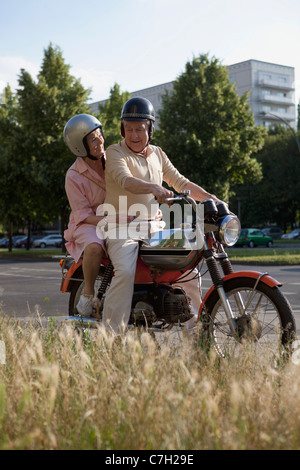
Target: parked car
(254, 237)
(18, 243)
(23, 241)
(16, 238)
(48, 240)
(292, 235)
(274, 232)
(4, 242)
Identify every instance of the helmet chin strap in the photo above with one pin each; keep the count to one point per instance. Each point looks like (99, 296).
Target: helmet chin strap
(102, 159)
(93, 158)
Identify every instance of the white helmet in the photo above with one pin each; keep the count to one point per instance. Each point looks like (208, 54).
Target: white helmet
(76, 130)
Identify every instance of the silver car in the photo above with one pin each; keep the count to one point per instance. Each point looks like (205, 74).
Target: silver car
(48, 240)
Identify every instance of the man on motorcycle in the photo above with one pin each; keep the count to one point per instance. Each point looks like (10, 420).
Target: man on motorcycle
(135, 170)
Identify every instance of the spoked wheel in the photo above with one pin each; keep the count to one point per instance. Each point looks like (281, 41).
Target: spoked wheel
(263, 317)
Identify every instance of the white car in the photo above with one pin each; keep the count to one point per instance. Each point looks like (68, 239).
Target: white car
(294, 234)
(48, 240)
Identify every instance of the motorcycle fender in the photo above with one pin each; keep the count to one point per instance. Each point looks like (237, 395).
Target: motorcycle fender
(265, 278)
(68, 276)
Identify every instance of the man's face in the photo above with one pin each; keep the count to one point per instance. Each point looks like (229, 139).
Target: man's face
(136, 135)
(95, 142)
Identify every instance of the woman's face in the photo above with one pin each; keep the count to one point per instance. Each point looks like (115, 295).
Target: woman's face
(95, 142)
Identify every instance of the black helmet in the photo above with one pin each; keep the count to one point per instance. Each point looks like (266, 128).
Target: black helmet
(138, 109)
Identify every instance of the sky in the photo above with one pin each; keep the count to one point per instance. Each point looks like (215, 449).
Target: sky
(143, 43)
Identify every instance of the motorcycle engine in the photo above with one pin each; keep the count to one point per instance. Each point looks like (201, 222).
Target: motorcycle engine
(161, 303)
(177, 306)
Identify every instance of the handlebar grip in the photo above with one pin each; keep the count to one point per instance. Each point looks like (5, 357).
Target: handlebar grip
(173, 199)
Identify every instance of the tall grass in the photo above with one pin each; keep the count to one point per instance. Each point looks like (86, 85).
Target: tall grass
(64, 389)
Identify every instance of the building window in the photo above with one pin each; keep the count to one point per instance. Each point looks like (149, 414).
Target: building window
(281, 79)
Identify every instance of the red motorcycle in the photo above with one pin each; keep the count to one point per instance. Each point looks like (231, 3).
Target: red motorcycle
(239, 306)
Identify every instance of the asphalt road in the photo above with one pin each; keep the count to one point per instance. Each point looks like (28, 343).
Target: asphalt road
(30, 286)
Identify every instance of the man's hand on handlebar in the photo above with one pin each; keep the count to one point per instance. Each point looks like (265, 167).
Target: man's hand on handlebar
(161, 193)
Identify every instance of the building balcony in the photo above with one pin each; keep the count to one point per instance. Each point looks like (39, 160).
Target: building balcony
(289, 117)
(275, 84)
(273, 99)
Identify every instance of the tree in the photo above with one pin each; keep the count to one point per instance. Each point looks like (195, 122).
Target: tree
(110, 114)
(34, 158)
(14, 176)
(276, 198)
(207, 130)
(44, 107)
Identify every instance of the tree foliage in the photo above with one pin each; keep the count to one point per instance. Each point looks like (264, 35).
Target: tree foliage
(13, 176)
(44, 108)
(110, 114)
(207, 130)
(276, 198)
(35, 157)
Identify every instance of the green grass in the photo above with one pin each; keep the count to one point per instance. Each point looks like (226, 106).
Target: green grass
(264, 256)
(35, 254)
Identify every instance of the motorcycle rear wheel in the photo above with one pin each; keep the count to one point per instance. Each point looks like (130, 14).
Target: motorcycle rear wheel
(268, 322)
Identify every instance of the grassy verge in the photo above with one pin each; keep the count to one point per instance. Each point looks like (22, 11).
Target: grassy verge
(237, 255)
(39, 253)
(63, 390)
(264, 256)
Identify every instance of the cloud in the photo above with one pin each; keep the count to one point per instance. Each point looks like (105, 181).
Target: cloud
(99, 80)
(10, 68)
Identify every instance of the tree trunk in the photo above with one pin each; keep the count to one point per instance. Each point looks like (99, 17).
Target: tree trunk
(10, 232)
(28, 235)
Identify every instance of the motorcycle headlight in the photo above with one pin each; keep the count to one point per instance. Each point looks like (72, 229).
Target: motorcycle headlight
(230, 229)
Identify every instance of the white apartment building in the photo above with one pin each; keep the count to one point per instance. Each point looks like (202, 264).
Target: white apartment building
(153, 94)
(272, 90)
(271, 97)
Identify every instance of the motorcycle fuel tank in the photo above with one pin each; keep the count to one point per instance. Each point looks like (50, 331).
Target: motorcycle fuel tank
(172, 248)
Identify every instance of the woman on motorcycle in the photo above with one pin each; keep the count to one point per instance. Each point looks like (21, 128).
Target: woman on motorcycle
(85, 188)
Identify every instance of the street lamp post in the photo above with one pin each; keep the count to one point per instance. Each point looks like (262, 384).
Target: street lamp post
(266, 113)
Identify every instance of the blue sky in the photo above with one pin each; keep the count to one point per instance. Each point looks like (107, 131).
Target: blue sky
(142, 43)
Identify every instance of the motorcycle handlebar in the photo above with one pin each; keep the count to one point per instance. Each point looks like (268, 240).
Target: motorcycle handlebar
(178, 197)
(173, 199)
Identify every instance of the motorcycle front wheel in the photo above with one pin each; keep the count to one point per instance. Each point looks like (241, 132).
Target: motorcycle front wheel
(263, 317)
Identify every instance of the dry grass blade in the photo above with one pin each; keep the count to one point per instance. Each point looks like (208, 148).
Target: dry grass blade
(61, 388)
